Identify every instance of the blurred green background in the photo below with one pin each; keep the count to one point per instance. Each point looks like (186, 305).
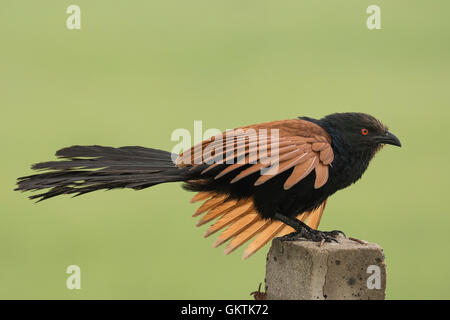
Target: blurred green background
(137, 70)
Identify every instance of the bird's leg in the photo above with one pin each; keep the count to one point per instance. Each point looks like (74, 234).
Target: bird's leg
(303, 231)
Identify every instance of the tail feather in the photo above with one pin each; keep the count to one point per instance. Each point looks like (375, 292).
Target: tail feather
(83, 169)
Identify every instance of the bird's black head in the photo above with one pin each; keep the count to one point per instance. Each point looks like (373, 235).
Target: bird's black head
(360, 130)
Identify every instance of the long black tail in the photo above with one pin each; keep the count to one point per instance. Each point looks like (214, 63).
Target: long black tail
(84, 169)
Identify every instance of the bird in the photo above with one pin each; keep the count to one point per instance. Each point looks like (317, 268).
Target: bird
(257, 182)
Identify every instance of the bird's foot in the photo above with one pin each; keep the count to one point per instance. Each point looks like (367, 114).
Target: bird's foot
(313, 235)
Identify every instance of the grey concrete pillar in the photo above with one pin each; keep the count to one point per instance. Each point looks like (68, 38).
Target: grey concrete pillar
(304, 270)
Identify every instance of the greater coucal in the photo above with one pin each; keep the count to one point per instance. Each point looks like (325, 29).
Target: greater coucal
(264, 180)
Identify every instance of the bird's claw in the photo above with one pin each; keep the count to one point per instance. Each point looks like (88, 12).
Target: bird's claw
(336, 233)
(313, 235)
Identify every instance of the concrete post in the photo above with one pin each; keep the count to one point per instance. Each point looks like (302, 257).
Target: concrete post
(304, 270)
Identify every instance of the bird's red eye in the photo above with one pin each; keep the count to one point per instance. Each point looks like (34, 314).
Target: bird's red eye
(364, 132)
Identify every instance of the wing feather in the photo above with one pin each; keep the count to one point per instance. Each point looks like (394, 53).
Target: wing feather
(263, 237)
(327, 156)
(316, 215)
(298, 142)
(209, 204)
(201, 196)
(218, 211)
(248, 233)
(321, 175)
(227, 218)
(300, 171)
(241, 222)
(236, 228)
(319, 146)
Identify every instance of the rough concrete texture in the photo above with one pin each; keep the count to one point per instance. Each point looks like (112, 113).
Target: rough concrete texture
(302, 270)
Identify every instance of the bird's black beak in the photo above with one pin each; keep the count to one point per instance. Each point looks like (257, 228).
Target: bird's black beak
(389, 138)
